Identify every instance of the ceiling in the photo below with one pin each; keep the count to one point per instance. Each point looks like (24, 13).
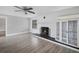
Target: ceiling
(48, 9)
(10, 10)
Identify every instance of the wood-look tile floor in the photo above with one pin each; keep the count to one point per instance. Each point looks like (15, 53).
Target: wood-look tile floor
(27, 43)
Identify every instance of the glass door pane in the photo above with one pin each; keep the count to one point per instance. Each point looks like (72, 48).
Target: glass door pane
(72, 32)
(64, 32)
(57, 30)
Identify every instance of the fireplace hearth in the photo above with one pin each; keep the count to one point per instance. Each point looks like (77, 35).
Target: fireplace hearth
(44, 31)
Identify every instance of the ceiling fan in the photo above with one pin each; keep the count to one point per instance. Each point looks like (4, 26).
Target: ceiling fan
(25, 9)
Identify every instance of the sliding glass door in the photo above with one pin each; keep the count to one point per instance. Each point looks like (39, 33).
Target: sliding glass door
(67, 32)
(72, 32)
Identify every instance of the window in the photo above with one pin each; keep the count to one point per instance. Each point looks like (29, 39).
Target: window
(34, 24)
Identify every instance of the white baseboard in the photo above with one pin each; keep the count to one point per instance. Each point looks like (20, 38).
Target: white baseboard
(16, 33)
(57, 43)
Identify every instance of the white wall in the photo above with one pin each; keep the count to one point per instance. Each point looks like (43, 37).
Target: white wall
(51, 20)
(16, 25)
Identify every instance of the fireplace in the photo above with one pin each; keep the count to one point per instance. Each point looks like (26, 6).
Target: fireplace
(44, 31)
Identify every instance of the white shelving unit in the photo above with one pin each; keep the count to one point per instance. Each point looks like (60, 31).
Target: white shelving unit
(67, 31)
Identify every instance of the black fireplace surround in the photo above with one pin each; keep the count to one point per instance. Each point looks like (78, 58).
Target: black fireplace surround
(44, 31)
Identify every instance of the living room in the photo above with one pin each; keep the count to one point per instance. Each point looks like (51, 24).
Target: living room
(23, 26)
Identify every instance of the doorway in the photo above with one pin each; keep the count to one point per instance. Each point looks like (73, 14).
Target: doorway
(2, 26)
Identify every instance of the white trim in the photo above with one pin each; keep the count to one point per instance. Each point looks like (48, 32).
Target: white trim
(78, 33)
(58, 43)
(16, 33)
(6, 27)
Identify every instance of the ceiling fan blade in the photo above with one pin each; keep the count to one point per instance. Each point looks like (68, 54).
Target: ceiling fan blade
(30, 9)
(26, 7)
(31, 12)
(18, 7)
(17, 10)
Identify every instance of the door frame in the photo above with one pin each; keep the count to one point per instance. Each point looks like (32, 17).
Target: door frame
(5, 18)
